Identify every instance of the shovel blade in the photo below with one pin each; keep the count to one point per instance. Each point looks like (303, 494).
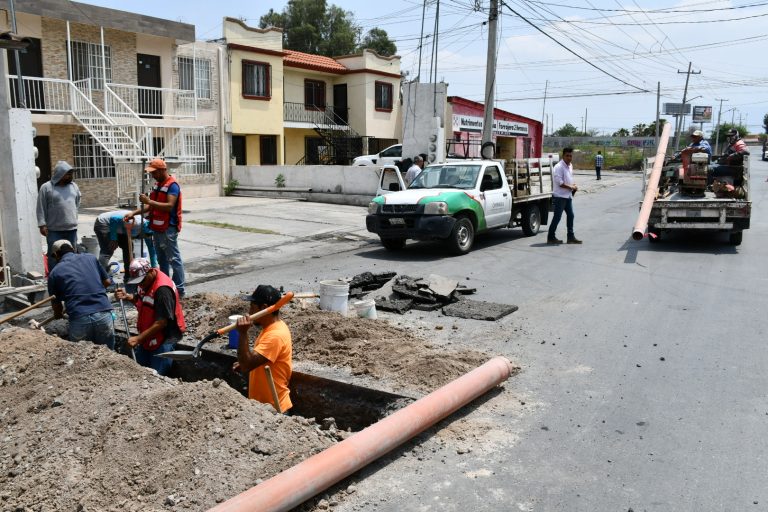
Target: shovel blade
(178, 355)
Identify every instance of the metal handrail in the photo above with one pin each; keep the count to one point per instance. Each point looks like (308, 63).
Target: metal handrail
(304, 113)
(173, 103)
(43, 94)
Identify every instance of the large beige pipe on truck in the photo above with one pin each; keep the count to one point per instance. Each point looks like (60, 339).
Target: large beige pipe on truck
(652, 187)
(299, 483)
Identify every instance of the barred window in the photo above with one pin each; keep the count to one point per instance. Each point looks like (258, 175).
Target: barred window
(194, 148)
(200, 69)
(87, 63)
(383, 93)
(90, 159)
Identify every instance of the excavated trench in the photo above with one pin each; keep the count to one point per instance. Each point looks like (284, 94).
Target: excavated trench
(352, 407)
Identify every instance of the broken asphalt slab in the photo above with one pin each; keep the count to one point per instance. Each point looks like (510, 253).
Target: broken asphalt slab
(478, 310)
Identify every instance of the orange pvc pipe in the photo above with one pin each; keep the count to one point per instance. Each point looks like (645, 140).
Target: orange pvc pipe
(297, 484)
(652, 187)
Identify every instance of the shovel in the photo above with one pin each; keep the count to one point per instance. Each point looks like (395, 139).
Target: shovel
(183, 355)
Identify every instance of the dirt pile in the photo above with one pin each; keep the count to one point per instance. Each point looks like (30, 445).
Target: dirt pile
(84, 428)
(373, 348)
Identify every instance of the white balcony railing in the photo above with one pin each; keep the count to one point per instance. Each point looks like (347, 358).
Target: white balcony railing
(42, 94)
(157, 102)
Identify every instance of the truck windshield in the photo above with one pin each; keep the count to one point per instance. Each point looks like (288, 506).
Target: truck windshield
(461, 176)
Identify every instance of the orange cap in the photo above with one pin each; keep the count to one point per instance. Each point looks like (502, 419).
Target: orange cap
(156, 164)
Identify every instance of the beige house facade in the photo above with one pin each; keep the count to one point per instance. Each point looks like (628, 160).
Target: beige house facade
(294, 108)
(109, 90)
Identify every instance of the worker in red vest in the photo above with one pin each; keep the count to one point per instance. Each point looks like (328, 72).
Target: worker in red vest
(161, 320)
(163, 209)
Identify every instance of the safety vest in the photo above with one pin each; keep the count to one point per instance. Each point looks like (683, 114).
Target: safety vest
(146, 307)
(160, 220)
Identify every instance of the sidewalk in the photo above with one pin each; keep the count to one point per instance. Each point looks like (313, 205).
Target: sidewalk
(253, 232)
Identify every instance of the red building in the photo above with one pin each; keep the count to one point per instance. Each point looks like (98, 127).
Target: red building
(515, 136)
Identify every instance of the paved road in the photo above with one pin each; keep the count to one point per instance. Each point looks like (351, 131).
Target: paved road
(643, 380)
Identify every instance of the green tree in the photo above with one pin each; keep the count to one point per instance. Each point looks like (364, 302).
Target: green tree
(377, 40)
(311, 26)
(621, 132)
(765, 122)
(650, 131)
(567, 130)
(723, 130)
(639, 130)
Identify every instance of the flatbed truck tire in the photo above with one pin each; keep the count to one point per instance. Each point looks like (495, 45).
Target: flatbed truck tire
(735, 238)
(393, 244)
(462, 236)
(531, 219)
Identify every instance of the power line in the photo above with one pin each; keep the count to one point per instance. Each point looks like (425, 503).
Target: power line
(651, 11)
(571, 51)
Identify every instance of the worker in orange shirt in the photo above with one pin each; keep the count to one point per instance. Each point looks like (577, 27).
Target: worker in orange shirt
(272, 347)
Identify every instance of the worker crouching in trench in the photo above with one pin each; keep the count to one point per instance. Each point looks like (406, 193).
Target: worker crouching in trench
(272, 347)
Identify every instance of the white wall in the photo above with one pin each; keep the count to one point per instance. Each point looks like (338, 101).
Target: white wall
(340, 184)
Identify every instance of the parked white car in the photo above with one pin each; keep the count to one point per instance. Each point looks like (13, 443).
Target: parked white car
(390, 156)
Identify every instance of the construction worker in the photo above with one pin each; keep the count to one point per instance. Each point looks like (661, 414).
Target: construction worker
(57, 203)
(163, 209)
(272, 347)
(79, 281)
(112, 232)
(736, 151)
(161, 320)
(698, 144)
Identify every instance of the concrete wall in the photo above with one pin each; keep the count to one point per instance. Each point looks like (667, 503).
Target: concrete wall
(339, 184)
(418, 116)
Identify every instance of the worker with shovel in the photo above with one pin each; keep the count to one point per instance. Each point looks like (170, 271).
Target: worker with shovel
(272, 349)
(161, 320)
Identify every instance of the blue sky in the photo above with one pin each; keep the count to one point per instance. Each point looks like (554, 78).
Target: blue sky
(624, 48)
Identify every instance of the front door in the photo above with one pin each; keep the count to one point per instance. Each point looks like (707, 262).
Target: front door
(340, 102)
(31, 65)
(43, 160)
(238, 149)
(497, 199)
(148, 75)
(268, 149)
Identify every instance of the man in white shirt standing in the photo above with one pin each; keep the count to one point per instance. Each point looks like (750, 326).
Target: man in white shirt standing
(414, 170)
(562, 198)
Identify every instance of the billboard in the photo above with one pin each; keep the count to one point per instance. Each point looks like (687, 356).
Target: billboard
(675, 109)
(702, 114)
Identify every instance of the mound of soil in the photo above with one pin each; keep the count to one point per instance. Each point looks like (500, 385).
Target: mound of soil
(84, 428)
(373, 348)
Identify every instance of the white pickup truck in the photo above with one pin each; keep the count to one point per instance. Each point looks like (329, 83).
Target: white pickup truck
(389, 156)
(455, 201)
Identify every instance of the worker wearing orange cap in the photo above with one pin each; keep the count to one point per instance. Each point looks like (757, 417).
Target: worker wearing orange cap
(163, 209)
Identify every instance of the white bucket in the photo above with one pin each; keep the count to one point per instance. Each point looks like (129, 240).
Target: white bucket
(365, 308)
(334, 296)
(91, 245)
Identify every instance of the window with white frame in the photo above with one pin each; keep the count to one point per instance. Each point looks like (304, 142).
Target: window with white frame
(200, 69)
(383, 91)
(87, 62)
(90, 159)
(195, 146)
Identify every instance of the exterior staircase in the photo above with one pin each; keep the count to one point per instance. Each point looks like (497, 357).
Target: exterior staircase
(342, 143)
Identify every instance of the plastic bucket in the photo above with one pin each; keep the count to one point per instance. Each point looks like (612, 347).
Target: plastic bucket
(91, 245)
(334, 295)
(365, 308)
(234, 336)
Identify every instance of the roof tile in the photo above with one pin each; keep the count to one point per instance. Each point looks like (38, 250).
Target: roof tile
(310, 61)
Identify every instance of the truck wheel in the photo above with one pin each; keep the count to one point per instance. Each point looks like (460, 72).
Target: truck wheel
(735, 238)
(393, 244)
(462, 237)
(531, 219)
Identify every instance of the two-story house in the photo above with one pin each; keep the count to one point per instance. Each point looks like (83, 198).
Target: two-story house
(289, 107)
(109, 90)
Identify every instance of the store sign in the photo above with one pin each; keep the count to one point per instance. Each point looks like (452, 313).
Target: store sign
(462, 123)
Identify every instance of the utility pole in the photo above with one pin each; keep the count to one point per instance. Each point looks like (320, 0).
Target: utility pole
(585, 122)
(717, 130)
(733, 113)
(543, 111)
(490, 74)
(658, 99)
(685, 95)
